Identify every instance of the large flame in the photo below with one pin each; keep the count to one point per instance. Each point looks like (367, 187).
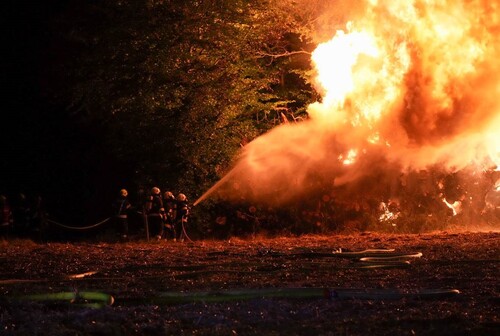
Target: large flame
(405, 85)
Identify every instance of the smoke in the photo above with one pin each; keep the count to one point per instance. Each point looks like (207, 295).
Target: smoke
(406, 85)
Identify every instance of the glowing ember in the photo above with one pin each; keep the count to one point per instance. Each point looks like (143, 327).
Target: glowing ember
(456, 207)
(387, 215)
(350, 157)
(492, 198)
(406, 85)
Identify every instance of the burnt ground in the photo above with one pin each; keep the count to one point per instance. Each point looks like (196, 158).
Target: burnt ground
(138, 274)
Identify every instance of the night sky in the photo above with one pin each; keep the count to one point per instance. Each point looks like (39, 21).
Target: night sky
(24, 39)
(44, 151)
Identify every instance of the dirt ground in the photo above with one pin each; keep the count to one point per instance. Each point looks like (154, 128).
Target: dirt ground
(139, 276)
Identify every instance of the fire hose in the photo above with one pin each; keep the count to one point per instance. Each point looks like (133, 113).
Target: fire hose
(183, 220)
(79, 228)
(81, 299)
(100, 300)
(368, 259)
(368, 255)
(302, 293)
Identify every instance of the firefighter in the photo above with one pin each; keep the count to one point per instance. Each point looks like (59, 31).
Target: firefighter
(155, 213)
(181, 215)
(5, 215)
(120, 212)
(21, 215)
(169, 205)
(38, 218)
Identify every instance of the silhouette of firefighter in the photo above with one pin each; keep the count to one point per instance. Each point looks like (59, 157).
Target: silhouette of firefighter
(21, 213)
(121, 208)
(169, 204)
(155, 213)
(6, 219)
(181, 217)
(39, 222)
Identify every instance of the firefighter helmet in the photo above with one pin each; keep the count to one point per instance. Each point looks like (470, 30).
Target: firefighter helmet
(168, 195)
(181, 197)
(155, 191)
(124, 193)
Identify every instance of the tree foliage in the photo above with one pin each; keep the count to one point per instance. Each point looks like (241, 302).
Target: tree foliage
(179, 86)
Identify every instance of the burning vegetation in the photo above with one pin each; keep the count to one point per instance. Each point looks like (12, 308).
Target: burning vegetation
(406, 131)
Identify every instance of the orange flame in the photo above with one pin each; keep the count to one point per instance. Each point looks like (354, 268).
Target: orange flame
(411, 72)
(406, 84)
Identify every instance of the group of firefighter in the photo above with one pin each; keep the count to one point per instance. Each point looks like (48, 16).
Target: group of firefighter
(165, 215)
(22, 217)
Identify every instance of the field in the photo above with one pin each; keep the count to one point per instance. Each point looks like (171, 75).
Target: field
(281, 286)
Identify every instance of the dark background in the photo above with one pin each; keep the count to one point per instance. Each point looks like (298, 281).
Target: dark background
(45, 151)
(69, 65)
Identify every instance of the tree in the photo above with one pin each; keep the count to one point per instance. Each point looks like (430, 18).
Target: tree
(179, 86)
